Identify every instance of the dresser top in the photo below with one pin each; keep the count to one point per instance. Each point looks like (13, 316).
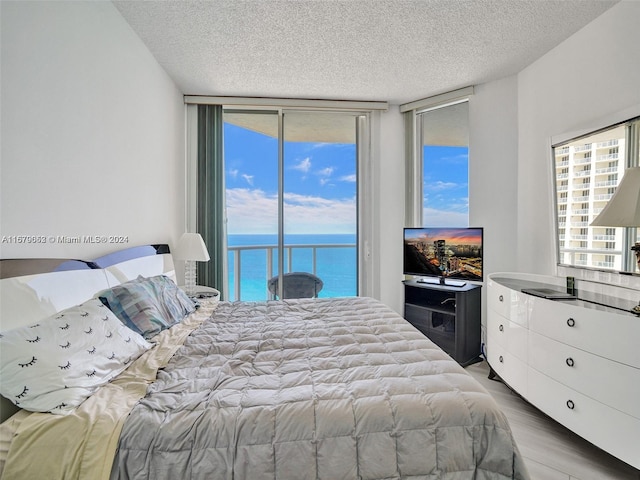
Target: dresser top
(585, 298)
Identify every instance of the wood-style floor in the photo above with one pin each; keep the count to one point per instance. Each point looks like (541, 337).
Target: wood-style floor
(551, 451)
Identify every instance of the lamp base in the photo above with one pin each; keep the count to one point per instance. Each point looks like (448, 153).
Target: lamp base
(190, 277)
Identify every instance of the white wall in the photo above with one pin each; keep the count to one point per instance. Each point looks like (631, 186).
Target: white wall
(493, 170)
(92, 132)
(493, 174)
(593, 74)
(389, 218)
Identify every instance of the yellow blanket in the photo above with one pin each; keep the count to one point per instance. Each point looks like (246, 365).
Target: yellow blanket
(82, 445)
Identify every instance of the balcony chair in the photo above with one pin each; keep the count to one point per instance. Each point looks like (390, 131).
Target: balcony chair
(297, 285)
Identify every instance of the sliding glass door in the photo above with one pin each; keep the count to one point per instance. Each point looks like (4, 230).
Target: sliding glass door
(291, 194)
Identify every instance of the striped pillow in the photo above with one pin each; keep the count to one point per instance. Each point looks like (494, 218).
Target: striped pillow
(148, 305)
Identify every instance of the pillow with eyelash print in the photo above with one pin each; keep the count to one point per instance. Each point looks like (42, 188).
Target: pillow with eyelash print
(54, 365)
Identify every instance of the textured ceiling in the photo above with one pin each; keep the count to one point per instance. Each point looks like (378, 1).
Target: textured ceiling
(395, 51)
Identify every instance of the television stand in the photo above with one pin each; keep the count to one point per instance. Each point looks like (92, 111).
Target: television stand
(449, 316)
(441, 281)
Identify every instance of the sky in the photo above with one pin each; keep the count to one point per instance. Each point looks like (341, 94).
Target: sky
(446, 186)
(320, 185)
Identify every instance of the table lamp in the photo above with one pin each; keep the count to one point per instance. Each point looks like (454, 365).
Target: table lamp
(191, 249)
(623, 210)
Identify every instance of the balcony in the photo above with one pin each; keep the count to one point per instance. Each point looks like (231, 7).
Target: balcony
(604, 238)
(584, 198)
(603, 197)
(610, 143)
(251, 267)
(582, 148)
(608, 183)
(606, 158)
(581, 161)
(606, 170)
(604, 264)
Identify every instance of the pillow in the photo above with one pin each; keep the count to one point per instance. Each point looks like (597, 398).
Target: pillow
(55, 364)
(148, 305)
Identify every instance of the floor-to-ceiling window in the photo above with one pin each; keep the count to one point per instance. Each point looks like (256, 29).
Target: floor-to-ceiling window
(291, 199)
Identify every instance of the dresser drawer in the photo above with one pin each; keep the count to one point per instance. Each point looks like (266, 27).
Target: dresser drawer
(609, 382)
(509, 303)
(511, 370)
(510, 335)
(603, 333)
(606, 427)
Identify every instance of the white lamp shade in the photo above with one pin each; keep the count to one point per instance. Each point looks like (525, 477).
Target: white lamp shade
(623, 210)
(191, 247)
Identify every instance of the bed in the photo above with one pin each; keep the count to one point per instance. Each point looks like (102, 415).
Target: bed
(298, 388)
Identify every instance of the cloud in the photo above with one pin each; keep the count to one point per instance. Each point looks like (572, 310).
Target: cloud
(444, 218)
(348, 178)
(254, 211)
(248, 178)
(439, 186)
(447, 203)
(303, 166)
(233, 173)
(325, 172)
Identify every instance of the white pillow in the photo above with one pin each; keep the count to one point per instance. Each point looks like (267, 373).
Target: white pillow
(55, 364)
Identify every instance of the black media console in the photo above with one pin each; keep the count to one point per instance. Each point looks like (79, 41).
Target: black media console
(449, 316)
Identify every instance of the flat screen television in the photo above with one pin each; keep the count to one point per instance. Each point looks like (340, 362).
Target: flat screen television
(444, 255)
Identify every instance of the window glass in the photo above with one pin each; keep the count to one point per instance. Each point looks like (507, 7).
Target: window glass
(587, 173)
(445, 165)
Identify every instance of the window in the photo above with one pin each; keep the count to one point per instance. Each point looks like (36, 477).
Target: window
(291, 199)
(266, 174)
(592, 165)
(437, 153)
(445, 165)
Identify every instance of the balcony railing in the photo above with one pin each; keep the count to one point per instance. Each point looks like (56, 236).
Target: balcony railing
(607, 183)
(608, 157)
(582, 148)
(269, 257)
(609, 143)
(606, 170)
(581, 161)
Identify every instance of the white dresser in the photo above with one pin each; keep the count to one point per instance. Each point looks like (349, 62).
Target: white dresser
(577, 361)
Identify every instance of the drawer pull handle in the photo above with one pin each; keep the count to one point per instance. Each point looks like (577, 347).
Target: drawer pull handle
(501, 298)
(501, 359)
(501, 328)
(570, 405)
(571, 322)
(570, 362)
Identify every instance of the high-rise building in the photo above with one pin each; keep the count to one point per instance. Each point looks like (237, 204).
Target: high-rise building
(588, 172)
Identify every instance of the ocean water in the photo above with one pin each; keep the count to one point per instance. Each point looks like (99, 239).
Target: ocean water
(337, 267)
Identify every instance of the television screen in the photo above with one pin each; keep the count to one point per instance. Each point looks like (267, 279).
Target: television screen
(444, 252)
